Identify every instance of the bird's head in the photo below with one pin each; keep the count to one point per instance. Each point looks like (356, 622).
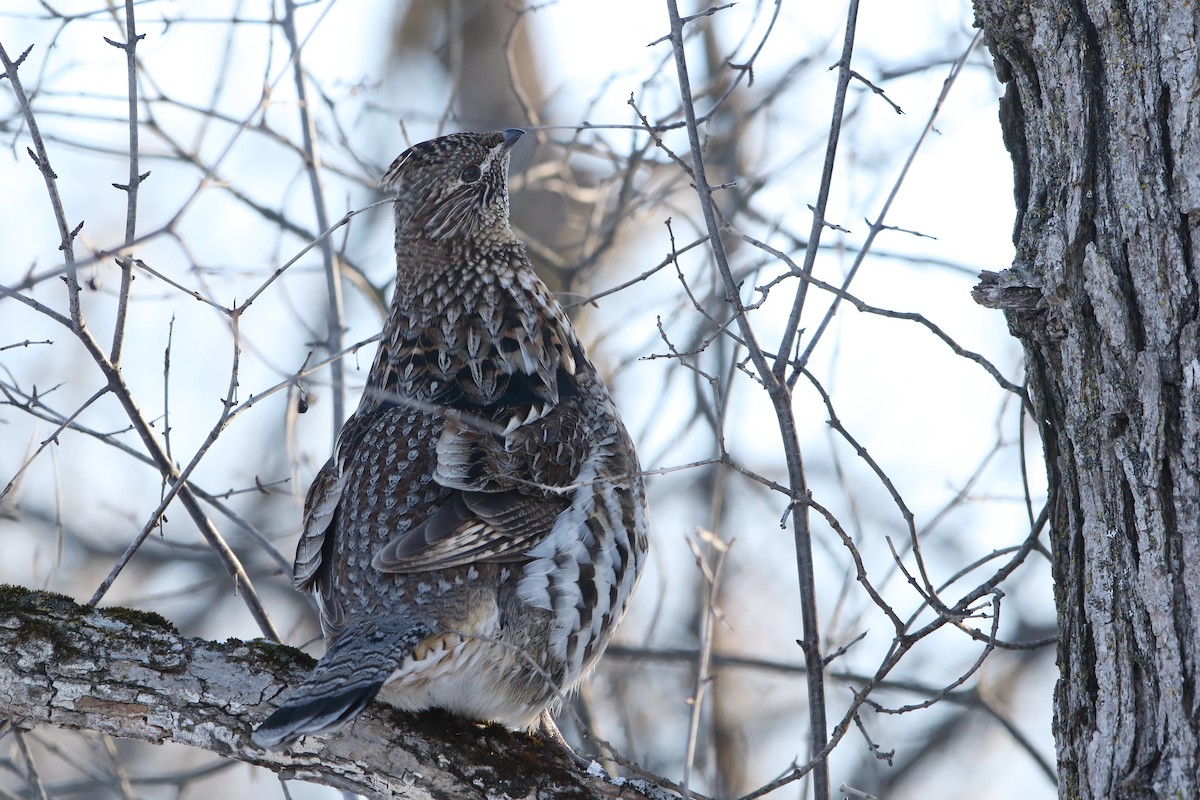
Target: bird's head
(453, 186)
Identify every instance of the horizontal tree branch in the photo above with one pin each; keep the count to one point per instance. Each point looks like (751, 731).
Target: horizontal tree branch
(131, 674)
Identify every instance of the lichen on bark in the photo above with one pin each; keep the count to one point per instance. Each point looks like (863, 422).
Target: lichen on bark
(131, 674)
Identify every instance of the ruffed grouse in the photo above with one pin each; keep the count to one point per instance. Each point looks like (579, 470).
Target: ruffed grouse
(476, 535)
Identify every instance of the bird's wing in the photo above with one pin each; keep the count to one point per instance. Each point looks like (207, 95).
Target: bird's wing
(324, 505)
(321, 507)
(510, 491)
(311, 569)
(469, 528)
(320, 511)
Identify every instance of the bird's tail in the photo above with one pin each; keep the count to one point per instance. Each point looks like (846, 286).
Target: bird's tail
(343, 683)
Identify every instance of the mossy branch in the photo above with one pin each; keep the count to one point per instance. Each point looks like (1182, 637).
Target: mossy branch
(131, 674)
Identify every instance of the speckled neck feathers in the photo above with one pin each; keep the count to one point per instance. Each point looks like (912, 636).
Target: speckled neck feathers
(472, 327)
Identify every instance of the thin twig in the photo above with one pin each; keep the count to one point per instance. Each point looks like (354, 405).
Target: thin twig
(711, 574)
(333, 278)
(51, 439)
(866, 308)
(39, 409)
(32, 772)
(792, 329)
(878, 225)
(781, 401)
(129, 46)
(112, 372)
(178, 483)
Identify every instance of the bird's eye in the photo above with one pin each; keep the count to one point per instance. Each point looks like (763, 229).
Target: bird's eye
(471, 174)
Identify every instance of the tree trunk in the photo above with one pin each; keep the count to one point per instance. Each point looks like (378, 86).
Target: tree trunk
(1101, 118)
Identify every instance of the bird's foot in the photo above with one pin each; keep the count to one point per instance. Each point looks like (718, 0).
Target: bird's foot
(547, 729)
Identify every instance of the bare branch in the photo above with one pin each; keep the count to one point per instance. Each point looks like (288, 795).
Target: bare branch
(130, 674)
(129, 46)
(333, 279)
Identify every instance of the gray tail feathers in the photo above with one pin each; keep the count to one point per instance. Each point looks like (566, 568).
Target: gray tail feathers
(343, 683)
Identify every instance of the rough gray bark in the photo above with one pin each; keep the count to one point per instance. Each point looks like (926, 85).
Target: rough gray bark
(1101, 119)
(130, 674)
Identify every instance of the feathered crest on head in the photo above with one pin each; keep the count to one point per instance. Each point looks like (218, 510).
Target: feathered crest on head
(432, 150)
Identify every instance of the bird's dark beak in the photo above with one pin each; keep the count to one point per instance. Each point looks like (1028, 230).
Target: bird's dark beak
(510, 137)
